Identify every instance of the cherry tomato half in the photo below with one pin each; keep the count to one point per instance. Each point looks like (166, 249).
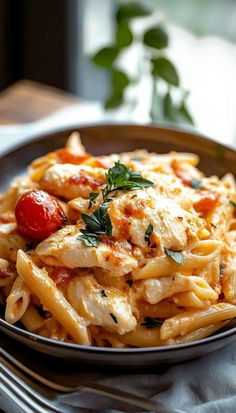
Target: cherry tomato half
(38, 214)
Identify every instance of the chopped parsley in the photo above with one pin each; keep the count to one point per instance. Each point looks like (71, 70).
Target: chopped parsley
(177, 256)
(123, 178)
(232, 203)
(113, 318)
(97, 224)
(103, 293)
(213, 225)
(129, 282)
(89, 240)
(92, 198)
(195, 183)
(151, 322)
(137, 158)
(148, 234)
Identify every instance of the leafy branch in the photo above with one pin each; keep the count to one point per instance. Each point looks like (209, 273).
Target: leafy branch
(155, 41)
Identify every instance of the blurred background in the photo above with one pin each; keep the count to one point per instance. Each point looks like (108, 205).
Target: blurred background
(166, 61)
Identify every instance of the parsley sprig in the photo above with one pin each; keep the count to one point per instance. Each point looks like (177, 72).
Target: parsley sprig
(97, 224)
(119, 177)
(92, 198)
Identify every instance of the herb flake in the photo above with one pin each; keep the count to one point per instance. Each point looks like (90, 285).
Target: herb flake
(103, 293)
(89, 239)
(92, 198)
(176, 256)
(151, 322)
(232, 203)
(148, 234)
(195, 183)
(130, 282)
(113, 318)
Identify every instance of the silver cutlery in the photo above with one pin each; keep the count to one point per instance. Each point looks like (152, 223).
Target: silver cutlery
(17, 378)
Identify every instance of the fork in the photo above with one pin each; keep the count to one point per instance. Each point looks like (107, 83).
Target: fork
(18, 373)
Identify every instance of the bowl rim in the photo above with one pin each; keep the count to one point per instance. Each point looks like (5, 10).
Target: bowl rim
(37, 137)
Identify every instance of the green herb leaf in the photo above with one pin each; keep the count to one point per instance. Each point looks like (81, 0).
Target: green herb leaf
(89, 240)
(121, 177)
(119, 81)
(105, 57)
(177, 256)
(185, 114)
(166, 70)
(168, 108)
(148, 233)
(156, 37)
(232, 203)
(97, 224)
(137, 159)
(151, 322)
(129, 282)
(124, 36)
(130, 10)
(114, 101)
(92, 198)
(195, 183)
(103, 293)
(113, 318)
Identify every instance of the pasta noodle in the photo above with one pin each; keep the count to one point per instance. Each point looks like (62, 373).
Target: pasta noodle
(133, 249)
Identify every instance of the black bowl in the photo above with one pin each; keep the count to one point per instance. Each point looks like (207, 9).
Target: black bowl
(104, 139)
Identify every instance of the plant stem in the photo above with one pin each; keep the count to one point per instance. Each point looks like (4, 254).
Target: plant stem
(153, 101)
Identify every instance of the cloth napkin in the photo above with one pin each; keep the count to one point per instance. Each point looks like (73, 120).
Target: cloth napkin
(205, 385)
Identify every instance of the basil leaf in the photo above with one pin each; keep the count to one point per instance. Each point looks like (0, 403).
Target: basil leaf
(148, 233)
(177, 256)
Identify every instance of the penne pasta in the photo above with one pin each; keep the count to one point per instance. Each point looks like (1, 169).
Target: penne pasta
(188, 321)
(135, 249)
(45, 289)
(17, 301)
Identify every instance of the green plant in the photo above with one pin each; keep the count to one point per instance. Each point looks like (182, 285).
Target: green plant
(155, 41)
